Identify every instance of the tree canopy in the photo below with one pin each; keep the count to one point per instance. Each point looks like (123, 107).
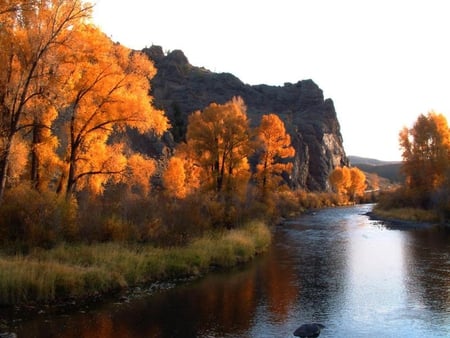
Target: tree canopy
(274, 145)
(219, 138)
(426, 155)
(65, 88)
(348, 183)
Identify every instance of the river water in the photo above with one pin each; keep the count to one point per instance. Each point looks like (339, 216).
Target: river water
(334, 266)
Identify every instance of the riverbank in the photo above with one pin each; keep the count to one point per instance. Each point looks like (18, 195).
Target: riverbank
(80, 272)
(405, 218)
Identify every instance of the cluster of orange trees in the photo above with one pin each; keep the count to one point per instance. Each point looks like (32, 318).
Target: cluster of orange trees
(348, 183)
(68, 93)
(219, 142)
(65, 87)
(214, 160)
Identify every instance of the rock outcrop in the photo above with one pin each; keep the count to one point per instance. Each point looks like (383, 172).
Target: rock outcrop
(180, 89)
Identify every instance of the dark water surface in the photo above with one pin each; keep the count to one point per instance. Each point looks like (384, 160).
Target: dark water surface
(335, 267)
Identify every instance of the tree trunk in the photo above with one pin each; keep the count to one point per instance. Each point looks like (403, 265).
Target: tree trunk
(35, 162)
(4, 160)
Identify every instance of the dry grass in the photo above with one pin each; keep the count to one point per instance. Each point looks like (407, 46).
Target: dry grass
(409, 214)
(82, 270)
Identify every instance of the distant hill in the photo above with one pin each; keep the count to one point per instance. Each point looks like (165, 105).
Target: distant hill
(385, 169)
(354, 160)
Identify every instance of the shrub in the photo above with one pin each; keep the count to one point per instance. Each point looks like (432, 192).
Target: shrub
(37, 218)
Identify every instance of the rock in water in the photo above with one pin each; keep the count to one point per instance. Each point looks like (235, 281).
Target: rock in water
(309, 330)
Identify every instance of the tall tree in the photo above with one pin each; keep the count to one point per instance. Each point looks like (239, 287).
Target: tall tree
(358, 184)
(348, 183)
(30, 33)
(219, 137)
(274, 145)
(107, 90)
(426, 154)
(182, 175)
(340, 180)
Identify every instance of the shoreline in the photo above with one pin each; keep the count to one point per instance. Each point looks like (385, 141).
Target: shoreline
(82, 276)
(394, 223)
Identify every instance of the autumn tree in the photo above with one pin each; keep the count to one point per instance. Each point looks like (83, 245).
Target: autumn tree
(107, 90)
(214, 159)
(348, 183)
(30, 34)
(426, 155)
(340, 180)
(274, 146)
(182, 176)
(358, 184)
(426, 151)
(219, 137)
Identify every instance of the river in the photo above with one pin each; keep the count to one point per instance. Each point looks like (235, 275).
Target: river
(334, 266)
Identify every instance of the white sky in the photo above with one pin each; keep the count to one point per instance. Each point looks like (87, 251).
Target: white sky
(382, 62)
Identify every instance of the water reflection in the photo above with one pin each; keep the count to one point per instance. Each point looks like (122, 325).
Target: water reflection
(428, 265)
(334, 267)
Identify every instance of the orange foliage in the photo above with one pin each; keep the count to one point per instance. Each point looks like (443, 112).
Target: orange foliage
(340, 180)
(62, 74)
(219, 140)
(18, 158)
(107, 90)
(32, 36)
(174, 178)
(275, 144)
(140, 169)
(358, 183)
(426, 152)
(182, 176)
(348, 182)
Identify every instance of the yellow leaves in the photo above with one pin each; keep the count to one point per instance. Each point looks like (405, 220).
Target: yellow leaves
(340, 179)
(358, 183)
(274, 144)
(219, 144)
(182, 175)
(348, 182)
(174, 178)
(106, 89)
(110, 85)
(101, 164)
(18, 158)
(219, 138)
(426, 152)
(140, 170)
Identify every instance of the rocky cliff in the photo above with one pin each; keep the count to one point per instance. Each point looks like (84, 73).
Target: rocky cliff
(180, 89)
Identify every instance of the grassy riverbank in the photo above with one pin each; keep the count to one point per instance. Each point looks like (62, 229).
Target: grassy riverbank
(407, 214)
(80, 271)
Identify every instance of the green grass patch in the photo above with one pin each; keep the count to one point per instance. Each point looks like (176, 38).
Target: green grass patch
(80, 270)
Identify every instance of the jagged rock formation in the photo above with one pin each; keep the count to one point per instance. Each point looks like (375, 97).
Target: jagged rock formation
(180, 89)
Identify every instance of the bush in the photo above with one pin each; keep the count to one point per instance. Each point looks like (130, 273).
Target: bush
(412, 204)
(39, 219)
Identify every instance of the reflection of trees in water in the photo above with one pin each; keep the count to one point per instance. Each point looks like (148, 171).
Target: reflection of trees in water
(321, 274)
(303, 274)
(222, 302)
(429, 267)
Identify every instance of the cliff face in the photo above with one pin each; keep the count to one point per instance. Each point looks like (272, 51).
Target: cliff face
(180, 89)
